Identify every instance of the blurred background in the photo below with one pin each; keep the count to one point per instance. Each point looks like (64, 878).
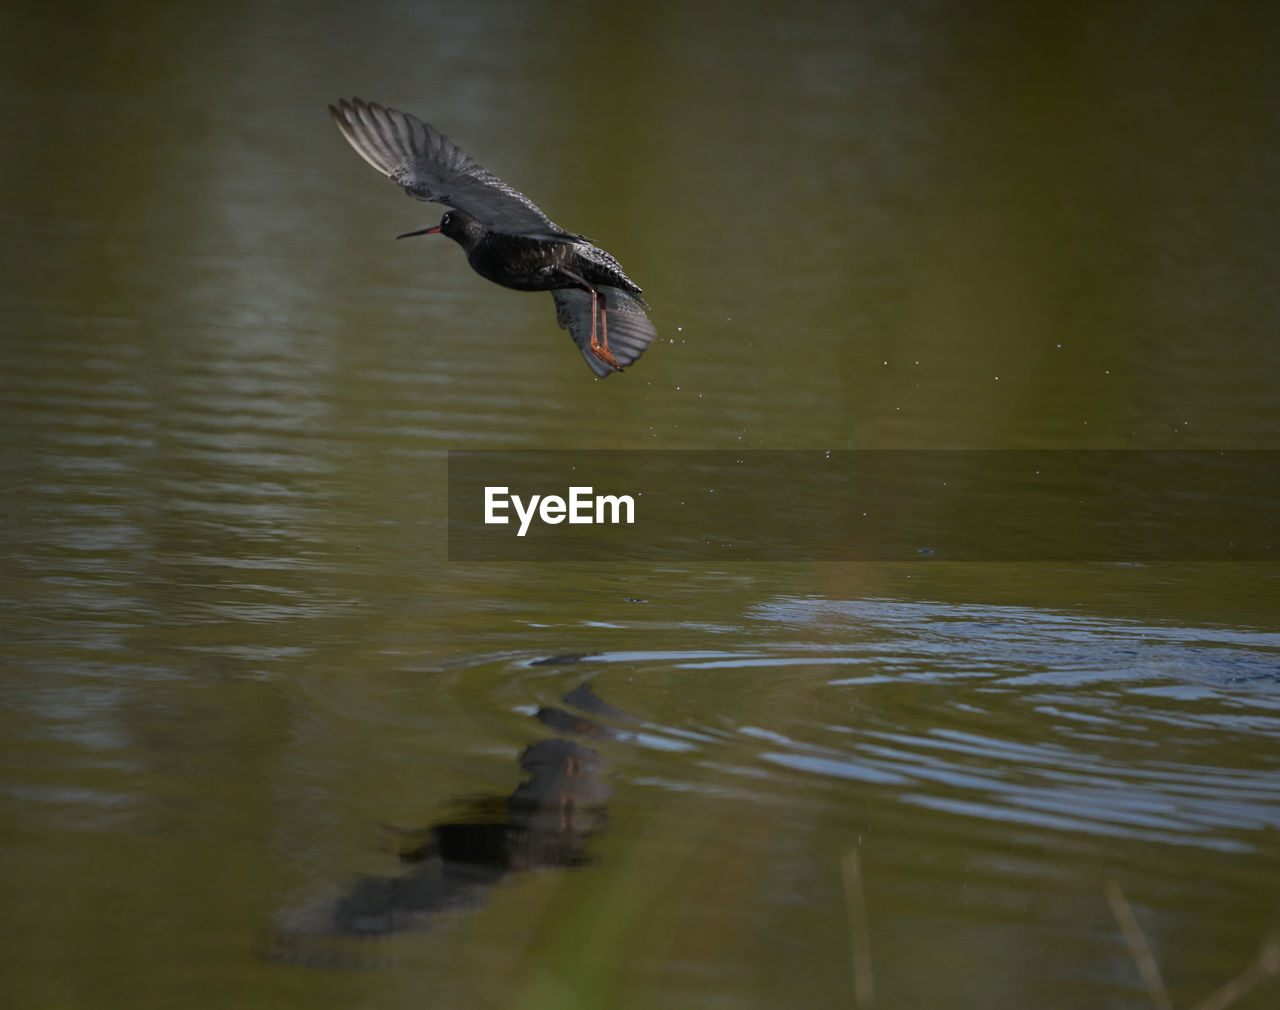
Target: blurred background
(232, 644)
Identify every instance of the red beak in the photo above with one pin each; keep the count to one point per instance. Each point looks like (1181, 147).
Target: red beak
(422, 231)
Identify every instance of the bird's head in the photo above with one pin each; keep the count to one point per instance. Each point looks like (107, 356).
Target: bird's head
(458, 225)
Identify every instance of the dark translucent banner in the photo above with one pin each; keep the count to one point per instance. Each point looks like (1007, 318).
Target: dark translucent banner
(771, 505)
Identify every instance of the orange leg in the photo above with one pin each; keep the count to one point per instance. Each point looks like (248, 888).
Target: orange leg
(601, 348)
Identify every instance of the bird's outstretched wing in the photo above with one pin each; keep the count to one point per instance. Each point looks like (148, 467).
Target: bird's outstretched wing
(630, 330)
(431, 167)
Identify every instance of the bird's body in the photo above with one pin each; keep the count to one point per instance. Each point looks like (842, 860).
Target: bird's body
(506, 237)
(534, 262)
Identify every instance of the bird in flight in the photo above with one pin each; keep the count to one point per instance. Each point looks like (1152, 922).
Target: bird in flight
(506, 237)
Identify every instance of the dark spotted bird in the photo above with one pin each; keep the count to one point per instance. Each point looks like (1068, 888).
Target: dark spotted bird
(507, 239)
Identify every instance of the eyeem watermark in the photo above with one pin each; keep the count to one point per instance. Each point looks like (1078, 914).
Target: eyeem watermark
(924, 506)
(582, 506)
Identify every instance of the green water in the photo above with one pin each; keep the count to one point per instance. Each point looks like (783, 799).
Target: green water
(232, 645)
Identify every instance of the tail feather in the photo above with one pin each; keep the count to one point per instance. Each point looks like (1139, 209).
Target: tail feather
(629, 329)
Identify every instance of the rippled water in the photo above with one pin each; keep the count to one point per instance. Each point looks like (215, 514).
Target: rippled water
(238, 669)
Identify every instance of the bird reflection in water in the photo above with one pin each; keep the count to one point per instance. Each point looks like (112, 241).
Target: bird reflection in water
(546, 822)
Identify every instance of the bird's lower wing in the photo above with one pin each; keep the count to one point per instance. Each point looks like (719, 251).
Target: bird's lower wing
(629, 329)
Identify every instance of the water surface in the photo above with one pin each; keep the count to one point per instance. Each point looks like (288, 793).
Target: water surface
(233, 646)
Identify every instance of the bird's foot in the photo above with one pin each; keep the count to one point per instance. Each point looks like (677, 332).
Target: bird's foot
(602, 352)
